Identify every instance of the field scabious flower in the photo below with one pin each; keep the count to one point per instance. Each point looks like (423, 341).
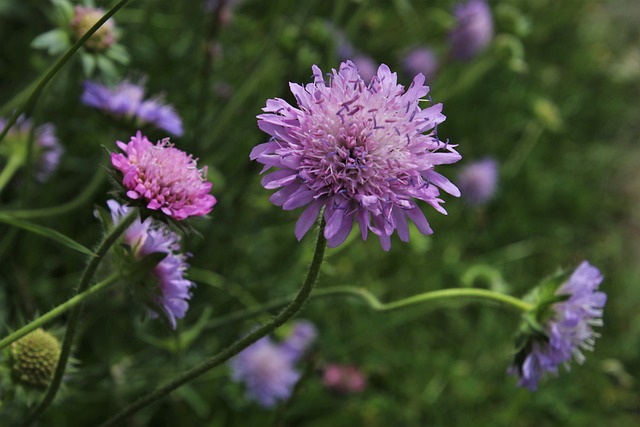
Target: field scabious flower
(358, 150)
(163, 177)
(478, 181)
(167, 289)
(85, 17)
(473, 30)
(345, 379)
(421, 59)
(567, 331)
(127, 100)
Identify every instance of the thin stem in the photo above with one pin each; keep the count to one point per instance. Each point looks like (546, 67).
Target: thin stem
(288, 312)
(58, 65)
(65, 207)
(108, 240)
(9, 170)
(62, 308)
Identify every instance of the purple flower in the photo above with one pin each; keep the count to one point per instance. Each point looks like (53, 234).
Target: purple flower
(164, 177)
(358, 150)
(47, 150)
(421, 60)
(267, 371)
(366, 67)
(170, 290)
(568, 329)
(473, 30)
(127, 100)
(478, 181)
(345, 379)
(301, 337)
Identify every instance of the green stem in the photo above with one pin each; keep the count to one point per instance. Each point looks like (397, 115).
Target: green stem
(106, 243)
(58, 65)
(288, 312)
(9, 170)
(66, 207)
(62, 308)
(374, 303)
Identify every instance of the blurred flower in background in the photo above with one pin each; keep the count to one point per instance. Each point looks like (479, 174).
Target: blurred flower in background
(569, 315)
(357, 149)
(478, 181)
(85, 17)
(473, 30)
(421, 59)
(345, 379)
(163, 178)
(47, 151)
(165, 290)
(267, 369)
(126, 100)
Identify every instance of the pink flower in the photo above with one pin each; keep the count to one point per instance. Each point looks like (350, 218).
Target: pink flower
(344, 379)
(164, 177)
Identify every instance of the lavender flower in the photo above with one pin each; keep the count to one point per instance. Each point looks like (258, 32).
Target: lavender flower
(345, 379)
(301, 337)
(85, 17)
(478, 181)
(366, 67)
(568, 329)
(421, 60)
(267, 371)
(473, 30)
(169, 290)
(127, 100)
(358, 150)
(47, 150)
(163, 177)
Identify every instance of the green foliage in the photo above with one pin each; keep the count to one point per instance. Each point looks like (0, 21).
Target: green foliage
(553, 99)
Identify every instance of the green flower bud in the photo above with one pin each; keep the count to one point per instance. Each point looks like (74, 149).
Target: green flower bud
(34, 358)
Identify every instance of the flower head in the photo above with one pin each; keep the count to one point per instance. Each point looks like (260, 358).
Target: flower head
(346, 379)
(568, 330)
(169, 290)
(47, 150)
(478, 181)
(34, 358)
(85, 17)
(127, 100)
(267, 372)
(358, 150)
(473, 30)
(163, 177)
(421, 60)
(301, 337)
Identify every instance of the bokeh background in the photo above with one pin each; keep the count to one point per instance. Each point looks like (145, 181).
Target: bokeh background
(553, 99)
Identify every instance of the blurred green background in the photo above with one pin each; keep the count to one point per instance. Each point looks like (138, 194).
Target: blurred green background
(554, 99)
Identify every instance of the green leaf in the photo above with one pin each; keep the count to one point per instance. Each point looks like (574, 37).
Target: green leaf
(45, 232)
(54, 41)
(118, 54)
(88, 63)
(106, 67)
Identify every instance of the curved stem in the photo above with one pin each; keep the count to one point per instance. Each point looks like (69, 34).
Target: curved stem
(65, 207)
(288, 312)
(108, 240)
(9, 170)
(58, 65)
(62, 308)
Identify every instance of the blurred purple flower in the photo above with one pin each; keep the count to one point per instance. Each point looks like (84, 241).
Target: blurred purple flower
(170, 290)
(127, 100)
(478, 181)
(473, 30)
(568, 329)
(366, 66)
(47, 150)
(164, 177)
(346, 379)
(301, 337)
(357, 149)
(421, 60)
(267, 371)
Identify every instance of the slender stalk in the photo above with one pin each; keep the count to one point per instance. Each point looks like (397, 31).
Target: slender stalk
(58, 65)
(106, 243)
(288, 312)
(65, 207)
(61, 309)
(9, 170)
